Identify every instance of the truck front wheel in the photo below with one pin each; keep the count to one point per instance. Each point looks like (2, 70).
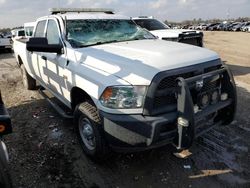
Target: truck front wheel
(28, 82)
(90, 132)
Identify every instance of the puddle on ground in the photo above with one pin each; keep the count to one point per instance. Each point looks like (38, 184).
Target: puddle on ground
(222, 153)
(55, 134)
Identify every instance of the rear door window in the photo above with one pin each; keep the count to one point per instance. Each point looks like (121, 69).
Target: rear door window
(40, 29)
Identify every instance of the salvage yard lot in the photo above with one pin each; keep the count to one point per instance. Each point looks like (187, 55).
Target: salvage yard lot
(44, 151)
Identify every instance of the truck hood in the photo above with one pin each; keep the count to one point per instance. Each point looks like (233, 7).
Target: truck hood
(137, 62)
(171, 33)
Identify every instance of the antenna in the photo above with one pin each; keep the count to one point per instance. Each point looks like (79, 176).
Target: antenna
(228, 14)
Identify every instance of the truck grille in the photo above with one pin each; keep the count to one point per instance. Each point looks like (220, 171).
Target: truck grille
(166, 91)
(164, 94)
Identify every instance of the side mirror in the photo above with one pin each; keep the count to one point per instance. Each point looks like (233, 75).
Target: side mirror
(41, 45)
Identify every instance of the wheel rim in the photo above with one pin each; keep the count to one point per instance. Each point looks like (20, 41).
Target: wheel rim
(87, 133)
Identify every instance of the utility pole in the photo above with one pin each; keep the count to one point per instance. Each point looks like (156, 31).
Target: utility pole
(138, 4)
(228, 14)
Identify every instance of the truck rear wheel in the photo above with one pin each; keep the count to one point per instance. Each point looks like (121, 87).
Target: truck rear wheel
(28, 82)
(90, 132)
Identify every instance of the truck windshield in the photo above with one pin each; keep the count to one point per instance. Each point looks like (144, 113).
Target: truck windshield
(151, 24)
(83, 33)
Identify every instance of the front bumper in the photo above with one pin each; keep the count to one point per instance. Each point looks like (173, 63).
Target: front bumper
(141, 132)
(138, 132)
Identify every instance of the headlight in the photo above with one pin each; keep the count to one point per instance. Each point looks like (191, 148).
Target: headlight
(123, 97)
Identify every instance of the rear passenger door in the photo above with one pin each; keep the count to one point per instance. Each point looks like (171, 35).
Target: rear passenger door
(38, 63)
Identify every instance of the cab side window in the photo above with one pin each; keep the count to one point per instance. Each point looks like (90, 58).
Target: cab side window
(52, 33)
(40, 29)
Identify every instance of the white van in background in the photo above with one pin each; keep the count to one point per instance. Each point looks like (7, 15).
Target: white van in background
(28, 28)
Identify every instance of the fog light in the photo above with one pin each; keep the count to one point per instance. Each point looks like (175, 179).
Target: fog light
(196, 108)
(182, 122)
(204, 100)
(224, 96)
(215, 96)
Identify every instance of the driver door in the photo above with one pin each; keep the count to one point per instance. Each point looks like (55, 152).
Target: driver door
(54, 64)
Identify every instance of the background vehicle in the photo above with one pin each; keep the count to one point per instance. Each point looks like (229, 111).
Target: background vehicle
(220, 27)
(164, 32)
(201, 26)
(244, 27)
(247, 29)
(237, 27)
(212, 27)
(225, 26)
(120, 82)
(5, 43)
(17, 34)
(5, 128)
(230, 27)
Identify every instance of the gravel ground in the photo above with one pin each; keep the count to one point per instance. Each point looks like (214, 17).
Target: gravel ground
(44, 151)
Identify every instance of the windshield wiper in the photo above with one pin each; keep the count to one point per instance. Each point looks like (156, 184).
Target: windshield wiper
(137, 38)
(98, 43)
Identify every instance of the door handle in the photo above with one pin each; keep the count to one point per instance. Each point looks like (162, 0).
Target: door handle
(65, 77)
(44, 57)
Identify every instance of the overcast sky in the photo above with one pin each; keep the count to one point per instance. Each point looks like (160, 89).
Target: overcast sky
(15, 13)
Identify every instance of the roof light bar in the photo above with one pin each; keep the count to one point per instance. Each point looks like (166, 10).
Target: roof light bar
(79, 10)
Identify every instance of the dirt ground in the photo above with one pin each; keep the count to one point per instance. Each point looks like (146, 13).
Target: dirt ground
(44, 151)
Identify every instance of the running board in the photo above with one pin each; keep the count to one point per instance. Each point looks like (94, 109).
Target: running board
(57, 108)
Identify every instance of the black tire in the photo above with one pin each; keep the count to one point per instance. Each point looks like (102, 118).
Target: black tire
(5, 180)
(87, 119)
(28, 82)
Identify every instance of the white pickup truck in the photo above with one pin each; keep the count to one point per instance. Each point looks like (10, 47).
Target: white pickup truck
(164, 32)
(126, 89)
(5, 43)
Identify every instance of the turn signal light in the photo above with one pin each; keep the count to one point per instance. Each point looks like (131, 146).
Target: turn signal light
(107, 93)
(2, 128)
